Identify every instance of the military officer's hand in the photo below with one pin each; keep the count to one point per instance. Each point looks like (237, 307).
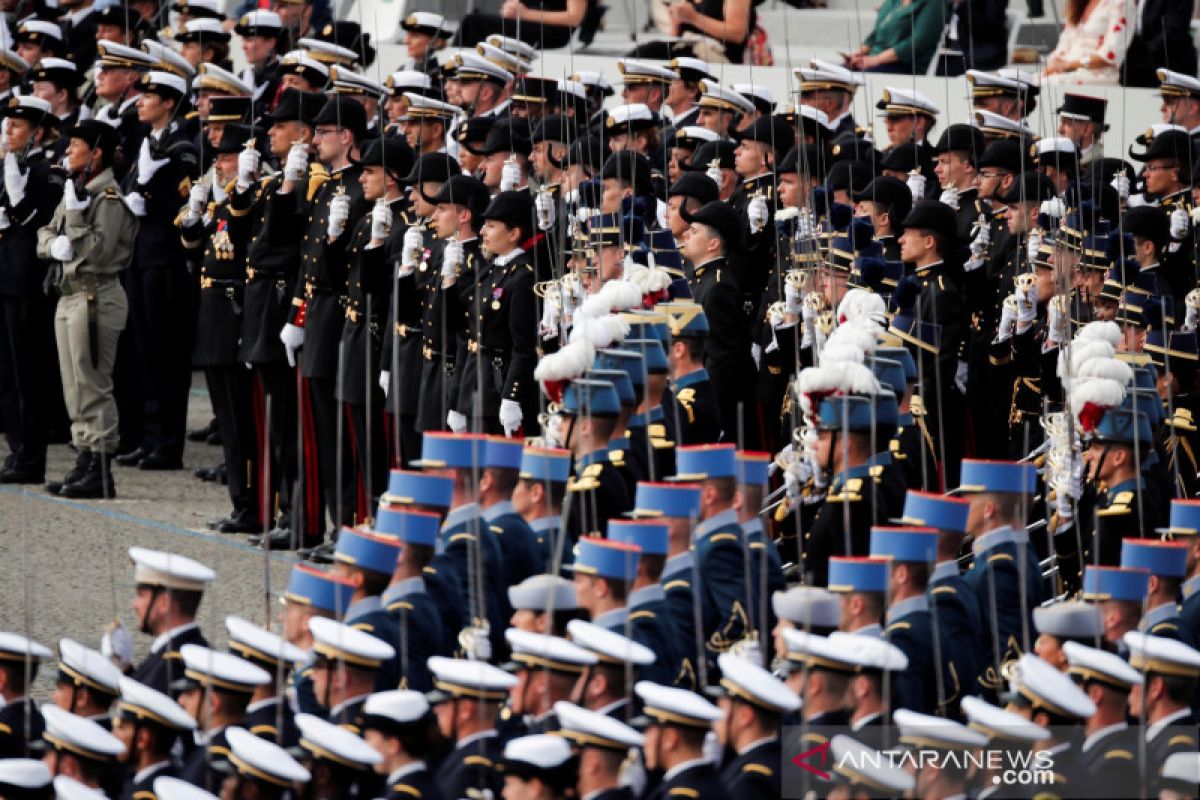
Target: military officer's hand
(551, 315)
(793, 299)
(5, 223)
(1008, 319)
(14, 180)
(511, 417)
(949, 196)
(544, 204)
(1054, 208)
(72, 200)
(1180, 224)
(1032, 244)
(197, 198)
(249, 161)
(1059, 329)
(148, 166)
(757, 212)
(385, 381)
(1026, 305)
(980, 242)
(960, 376)
(381, 221)
(916, 185)
(296, 164)
(715, 174)
(474, 641)
(1192, 303)
(510, 175)
(452, 259)
(339, 213)
(410, 251)
(292, 337)
(456, 422)
(116, 644)
(136, 204)
(1122, 184)
(61, 249)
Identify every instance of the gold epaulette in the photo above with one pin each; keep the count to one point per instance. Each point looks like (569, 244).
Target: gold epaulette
(317, 176)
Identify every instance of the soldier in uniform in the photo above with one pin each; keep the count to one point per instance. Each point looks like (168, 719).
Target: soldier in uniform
(688, 718)
(424, 34)
(466, 699)
(603, 744)
(398, 724)
(224, 235)
(547, 669)
(368, 561)
(1168, 160)
(79, 747)
(1108, 756)
(1169, 671)
(256, 765)
(753, 703)
(347, 662)
(596, 492)
(32, 190)
(337, 756)
(263, 37)
(269, 714)
(148, 724)
(91, 239)
(694, 416)
(1167, 564)
(19, 657)
(310, 592)
(169, 590)
(501, 472)
(332, 199)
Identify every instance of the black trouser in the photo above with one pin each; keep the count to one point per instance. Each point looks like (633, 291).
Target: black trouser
(161, 318)
(338, 496)
(231, 390)
(370, 453)
(29, 387)
(477, 26)
(278, 383)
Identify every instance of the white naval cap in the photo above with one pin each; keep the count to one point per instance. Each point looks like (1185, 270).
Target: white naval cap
(939, 733)
(998, 723)
(255, 643)
(504, 59)
(420, 106)
(39, 26)
(203, 25)
(168, 788)
(998, 125)
(67, 788)
(714, 95)
(760, 96)
(695, 134)
(1044, 686)
(426, 22)
(593, 79)
(168, 570)
(748, 681)
(1164, 656)
(634, 72)
(870, 652)
(169, 59)
(78, 735)
(299, 60)
(1072, 619)
(83, 666)
(1177, 84)
(814, 650)
(863, 766)
(609, 647)
(689, 68)
(1181, 773)
(629, 114)
(157, 80)
(588, 728)
(114, 55)
(329, 742)
(1091, 663)
(541, 751)
(513, 46)
(536, 650)
(405, 80)
(540, 592)
(11, 61)
(473, 64)
(808, 606)
(339, 642)
(395, 708)
(223, 671)
(222, 80)
(141, 702)
(815, 114)
(327, 52)
(458, 677)
(1000, 83)
(347, 81)
(894, 100)
(23, 774)
(258, 758)
(667, 705)
(15, 647)
(573, 88)
(1054, 144)
(819, 75)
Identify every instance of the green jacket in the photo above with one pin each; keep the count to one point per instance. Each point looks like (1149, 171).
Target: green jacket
(101, 235)
(912, 30)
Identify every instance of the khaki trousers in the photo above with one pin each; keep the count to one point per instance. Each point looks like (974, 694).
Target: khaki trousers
(88, 388)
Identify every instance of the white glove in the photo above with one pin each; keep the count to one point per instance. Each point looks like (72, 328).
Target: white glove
(1054, 208)
(510, 175)
(339, 213)
(385, 381)
(1192, 304)
(1196, 215)
(14, 180)
(511, 417)
(292, 337)
(381, 219)
(1059, 328)
(116, 644)
(147, 164)
(410, 251)
(219, 195)
(949, 196)
(1008, 319)
(5, 223)
(715, 174)
(757, 212)
(297, 162)
(916, 185)
(808, 324)
(551, 314)
(1179, 224)
(983, 236)
(248, 163)
(197, 197)
(544, 204)
(135, 203)
(1122, 184)
(72, 200)
(1026, 306)
(960, 376)
(452, 259)
(61, 249)
(793, 299)
(455, 421)
(1136, 200)
(474, 641)
(1033, 244)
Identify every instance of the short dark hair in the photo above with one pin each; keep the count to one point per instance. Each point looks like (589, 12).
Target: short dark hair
(506, 479)
(694, 344)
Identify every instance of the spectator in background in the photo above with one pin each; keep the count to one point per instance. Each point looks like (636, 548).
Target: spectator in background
(1092, 44)
(905, 38)
(545, 24)
(710, 30)
(976, 38)
(1162, 37)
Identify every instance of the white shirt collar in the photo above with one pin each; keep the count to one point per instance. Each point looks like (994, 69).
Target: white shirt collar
(686, 765)
(142, 774)
(1158, 727)
(407, 769)
(1100, 734)
(475, 737)
(164, 639)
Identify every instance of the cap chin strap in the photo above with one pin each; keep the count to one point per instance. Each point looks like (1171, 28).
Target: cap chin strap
(144, 622)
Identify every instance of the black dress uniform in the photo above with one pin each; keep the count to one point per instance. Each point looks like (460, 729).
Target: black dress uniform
(263, 717)
(755, 773)
(941, 302)
(142, 788)
(201, 767)
(14, 717)
(473, 765)
(349, 714)
(1176, 733)
(697, 781)
(444, 315)
(597, 494)
(955, 611)
(694, 417)
(30, 390)
(161, 299)
(223, 237)
(317, 307)
(727, 349)
(412, 782)
(164, 665)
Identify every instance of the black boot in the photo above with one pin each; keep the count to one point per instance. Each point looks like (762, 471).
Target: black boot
(96, 482)
(82, 462)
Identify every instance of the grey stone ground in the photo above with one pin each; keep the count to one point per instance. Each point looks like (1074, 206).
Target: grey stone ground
(64, 567)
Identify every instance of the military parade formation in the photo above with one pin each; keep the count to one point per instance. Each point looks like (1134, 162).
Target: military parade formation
(627, 450)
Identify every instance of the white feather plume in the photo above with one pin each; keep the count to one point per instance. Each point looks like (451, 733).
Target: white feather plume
(841, 351)
(571, 361)
(861, 333)
(622, 295)
(861, 305)
(1109, 368)
(1104, 331)
(1099, 392)
(600, 331)
(1081, 352)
